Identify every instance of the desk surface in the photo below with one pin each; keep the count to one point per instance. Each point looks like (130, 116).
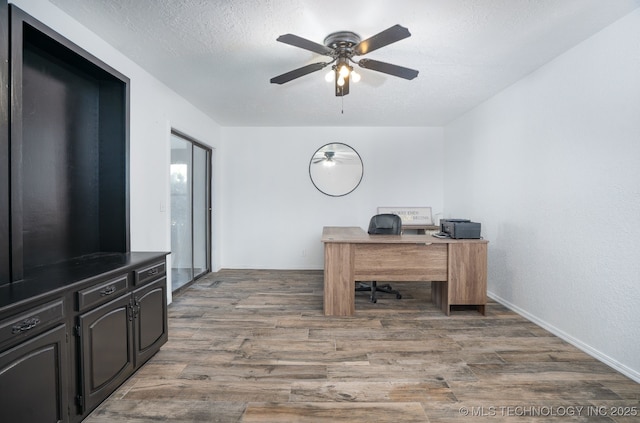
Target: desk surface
(357, 235)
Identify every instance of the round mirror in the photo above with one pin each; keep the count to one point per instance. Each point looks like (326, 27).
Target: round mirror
(336, 169)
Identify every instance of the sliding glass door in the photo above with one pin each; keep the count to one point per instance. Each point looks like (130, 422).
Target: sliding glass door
(190, 210)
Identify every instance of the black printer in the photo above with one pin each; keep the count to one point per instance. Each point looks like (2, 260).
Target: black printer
(460, 228)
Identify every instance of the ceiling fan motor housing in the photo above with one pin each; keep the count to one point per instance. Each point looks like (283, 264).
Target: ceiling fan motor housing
(342, 42)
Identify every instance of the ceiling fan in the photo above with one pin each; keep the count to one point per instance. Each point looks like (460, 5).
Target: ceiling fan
(342, 46)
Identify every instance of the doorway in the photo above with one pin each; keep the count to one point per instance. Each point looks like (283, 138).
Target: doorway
(190, 210)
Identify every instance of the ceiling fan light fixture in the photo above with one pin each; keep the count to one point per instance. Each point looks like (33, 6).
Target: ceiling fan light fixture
(330, 76)
(355, 76)
(344, 70)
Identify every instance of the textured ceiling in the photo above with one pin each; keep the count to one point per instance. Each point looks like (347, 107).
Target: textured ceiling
(220, 55)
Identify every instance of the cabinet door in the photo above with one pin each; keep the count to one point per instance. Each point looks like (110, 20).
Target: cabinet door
(150, 311)
(106, 354)
(33, 379)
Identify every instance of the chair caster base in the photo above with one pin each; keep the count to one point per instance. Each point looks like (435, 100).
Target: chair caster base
(374, 287)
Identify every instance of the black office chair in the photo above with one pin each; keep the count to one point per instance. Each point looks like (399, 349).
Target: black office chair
(382, 224)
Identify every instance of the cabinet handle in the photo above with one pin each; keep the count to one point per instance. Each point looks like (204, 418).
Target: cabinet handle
(108, 291)
(153, 271)
(25, 325)
(136, 308)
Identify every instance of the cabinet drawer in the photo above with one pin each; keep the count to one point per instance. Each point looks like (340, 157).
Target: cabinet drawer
(149, 273)
(32, 321)
(102, 292)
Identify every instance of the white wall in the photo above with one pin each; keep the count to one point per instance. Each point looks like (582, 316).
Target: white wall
(551, 168)
(155, 109)
(273, 214)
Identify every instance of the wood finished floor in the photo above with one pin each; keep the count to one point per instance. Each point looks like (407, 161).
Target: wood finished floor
(254, 346)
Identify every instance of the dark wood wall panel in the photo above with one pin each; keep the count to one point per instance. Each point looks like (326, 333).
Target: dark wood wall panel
(5, 235)
(114, 182)
(60, 162)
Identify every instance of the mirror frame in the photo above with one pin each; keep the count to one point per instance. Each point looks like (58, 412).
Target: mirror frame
(354, 179)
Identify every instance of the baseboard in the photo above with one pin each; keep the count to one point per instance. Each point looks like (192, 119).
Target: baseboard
(630, 373)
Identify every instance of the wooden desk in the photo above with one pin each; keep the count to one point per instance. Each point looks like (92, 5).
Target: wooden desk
(456, 268)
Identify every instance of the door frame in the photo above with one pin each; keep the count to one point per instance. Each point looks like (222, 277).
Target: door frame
(209, 171)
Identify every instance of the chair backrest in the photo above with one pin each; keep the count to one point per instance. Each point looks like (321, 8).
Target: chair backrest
(385, 224)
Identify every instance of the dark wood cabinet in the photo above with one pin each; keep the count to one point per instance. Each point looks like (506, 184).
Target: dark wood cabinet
(117, 337)
(33, 379)
(71, 348)
(79, 312)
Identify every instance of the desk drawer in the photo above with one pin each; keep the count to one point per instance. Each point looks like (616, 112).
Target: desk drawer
(400, 262)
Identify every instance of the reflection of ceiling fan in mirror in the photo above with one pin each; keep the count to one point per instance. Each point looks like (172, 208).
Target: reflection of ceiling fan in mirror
(335, 153)
(342, 47)
(327, 158)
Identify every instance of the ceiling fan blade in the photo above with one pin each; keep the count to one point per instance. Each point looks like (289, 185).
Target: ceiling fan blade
(386, 37)
(388, 68)
(297, 73)
(294, 40)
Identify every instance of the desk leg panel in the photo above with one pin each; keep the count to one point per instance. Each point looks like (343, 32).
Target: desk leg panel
(440, 296)
(468, 274)
(339, 282)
